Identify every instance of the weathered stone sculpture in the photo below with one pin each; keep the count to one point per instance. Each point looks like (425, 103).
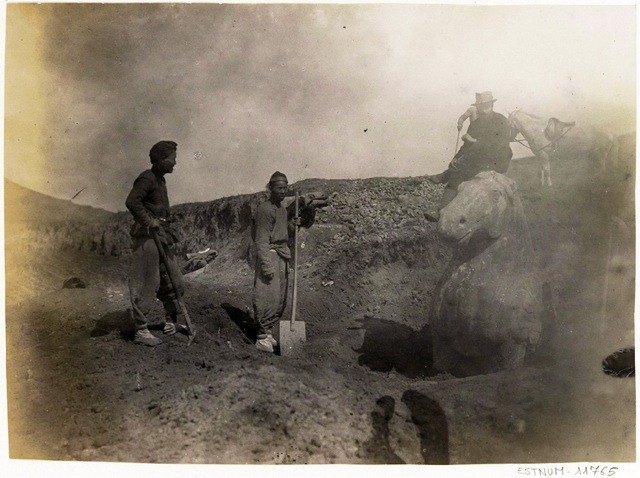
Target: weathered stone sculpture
(488, 306)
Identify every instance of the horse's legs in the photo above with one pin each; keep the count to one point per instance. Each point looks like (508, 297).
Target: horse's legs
(606, 149)
(545, 170)
(545, 176)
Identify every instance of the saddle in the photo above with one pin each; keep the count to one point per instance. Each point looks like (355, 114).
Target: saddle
(556, 129)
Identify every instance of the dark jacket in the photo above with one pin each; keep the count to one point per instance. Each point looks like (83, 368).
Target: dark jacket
(149, 200)
(491, 152)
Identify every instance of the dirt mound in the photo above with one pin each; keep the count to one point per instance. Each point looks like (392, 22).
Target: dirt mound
(372, 223)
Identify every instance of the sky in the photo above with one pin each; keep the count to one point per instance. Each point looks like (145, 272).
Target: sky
(315, 91)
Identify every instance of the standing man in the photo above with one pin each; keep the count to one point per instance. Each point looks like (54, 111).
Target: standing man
(485, 148)
(148, 202)
(272, 261)
(274, 225)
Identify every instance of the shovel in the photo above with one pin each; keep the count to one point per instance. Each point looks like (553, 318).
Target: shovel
(183, 308)
(292, 333)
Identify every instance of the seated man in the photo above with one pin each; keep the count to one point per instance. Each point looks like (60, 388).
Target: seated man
(485, 148)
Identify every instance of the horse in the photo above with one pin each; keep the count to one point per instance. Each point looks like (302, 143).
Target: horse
(487, 309)
(551, 138)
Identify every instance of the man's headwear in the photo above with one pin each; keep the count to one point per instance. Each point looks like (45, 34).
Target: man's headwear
(484, 97)
(161, 150)
(278, 176)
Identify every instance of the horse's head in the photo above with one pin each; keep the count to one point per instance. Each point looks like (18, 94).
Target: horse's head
(513, 124)
(483, 205)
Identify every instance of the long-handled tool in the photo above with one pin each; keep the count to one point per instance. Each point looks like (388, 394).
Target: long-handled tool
(293, 333)
(183, 308)
(457, 141)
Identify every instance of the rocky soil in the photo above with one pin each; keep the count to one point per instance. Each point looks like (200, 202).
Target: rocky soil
(362, 390)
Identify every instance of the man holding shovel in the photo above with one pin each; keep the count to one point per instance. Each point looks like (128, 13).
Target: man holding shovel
(149, 276)
(272, 231)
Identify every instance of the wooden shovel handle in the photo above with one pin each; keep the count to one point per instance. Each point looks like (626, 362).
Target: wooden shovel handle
(183, 308)
(294, 302)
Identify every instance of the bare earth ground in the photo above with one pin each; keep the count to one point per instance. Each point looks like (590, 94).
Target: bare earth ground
(362, 390)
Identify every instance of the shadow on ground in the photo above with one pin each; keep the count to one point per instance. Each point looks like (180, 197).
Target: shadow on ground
(378, 447)
(389, 345)
(431, 427)
(120, 321)
(243, 320)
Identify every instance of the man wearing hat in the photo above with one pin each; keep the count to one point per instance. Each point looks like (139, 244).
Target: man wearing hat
(273, 227)
(485, 148)
(148, 202)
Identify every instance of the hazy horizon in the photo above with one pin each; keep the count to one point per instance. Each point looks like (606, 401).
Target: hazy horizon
(316, 91)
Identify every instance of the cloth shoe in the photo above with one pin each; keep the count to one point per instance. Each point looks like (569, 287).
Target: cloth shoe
(171, 328)
(273, 341)
(144, 337)
(264, 345)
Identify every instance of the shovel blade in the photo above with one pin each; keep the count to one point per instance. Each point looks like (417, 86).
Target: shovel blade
(292, 336)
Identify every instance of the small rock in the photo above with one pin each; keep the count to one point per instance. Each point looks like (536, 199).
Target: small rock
(88, 454)
(100, 441)
(74, 283)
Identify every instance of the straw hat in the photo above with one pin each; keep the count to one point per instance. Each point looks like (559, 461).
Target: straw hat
(484, 97)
